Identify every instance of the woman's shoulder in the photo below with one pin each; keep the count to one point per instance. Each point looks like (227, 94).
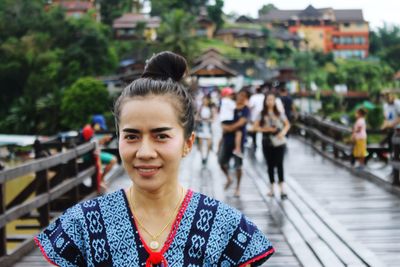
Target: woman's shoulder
(231, 235)
(219, 208)
(98, 204)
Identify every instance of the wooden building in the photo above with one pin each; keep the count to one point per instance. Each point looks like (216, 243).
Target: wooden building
(212, 64)
(132, 26)
(344, 32)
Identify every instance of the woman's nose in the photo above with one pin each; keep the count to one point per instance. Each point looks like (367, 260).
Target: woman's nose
(146, 150)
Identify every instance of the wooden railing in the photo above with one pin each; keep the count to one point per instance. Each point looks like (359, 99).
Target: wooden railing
(57, 184)
(331, 137)
(395, 162)
(328, 134)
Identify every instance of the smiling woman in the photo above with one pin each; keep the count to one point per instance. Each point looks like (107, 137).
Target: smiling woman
(156, 221)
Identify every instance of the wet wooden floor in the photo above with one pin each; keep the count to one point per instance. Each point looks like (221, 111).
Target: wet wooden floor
(332, 218)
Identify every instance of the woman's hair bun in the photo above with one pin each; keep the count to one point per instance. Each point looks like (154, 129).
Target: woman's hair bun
(165, 65)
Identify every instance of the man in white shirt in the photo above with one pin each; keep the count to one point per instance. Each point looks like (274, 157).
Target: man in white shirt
(391, 112)
(256, 104)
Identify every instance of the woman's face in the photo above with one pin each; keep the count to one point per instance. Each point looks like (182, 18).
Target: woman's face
(151, 142)
(206, 102)
(270, 101)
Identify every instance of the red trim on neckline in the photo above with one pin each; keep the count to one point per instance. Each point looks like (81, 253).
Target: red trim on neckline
(37, 242)
(174, 227)
(269, 252)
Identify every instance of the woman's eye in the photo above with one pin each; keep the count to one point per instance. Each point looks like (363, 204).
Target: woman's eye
(162, 137)
(131, 137)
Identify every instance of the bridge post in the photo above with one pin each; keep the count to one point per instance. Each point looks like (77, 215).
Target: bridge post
(396, 156)
(42, 186)
(3, 239)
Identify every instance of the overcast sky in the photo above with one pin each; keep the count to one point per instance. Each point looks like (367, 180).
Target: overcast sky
(376, 12)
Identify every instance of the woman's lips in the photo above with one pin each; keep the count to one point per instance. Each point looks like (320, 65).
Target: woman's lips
(147, 171)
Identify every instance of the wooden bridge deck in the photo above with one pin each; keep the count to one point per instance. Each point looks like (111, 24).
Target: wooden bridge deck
(332, 218)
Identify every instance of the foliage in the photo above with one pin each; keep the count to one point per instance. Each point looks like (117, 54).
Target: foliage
(112, 9)
(384, 43)
(391, 56)
(162, 7)
(306, 67)
(361, 75)
(136, 48)
(226, 50)
(87, 96)
(375, 117)
(337, 116)
(215, 13)
(41, 53)
(265, 9)
(331, 104)
(175, 33)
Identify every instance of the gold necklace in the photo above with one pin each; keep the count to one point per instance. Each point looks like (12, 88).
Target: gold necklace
(154, 244)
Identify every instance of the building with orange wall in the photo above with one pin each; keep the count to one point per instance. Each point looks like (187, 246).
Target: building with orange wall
(76, 9)
(344, 32)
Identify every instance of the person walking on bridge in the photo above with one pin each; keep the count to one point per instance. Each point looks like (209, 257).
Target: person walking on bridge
(156, 221)
(228, 141)
(359, 137)
(204, 119)
(274, 126)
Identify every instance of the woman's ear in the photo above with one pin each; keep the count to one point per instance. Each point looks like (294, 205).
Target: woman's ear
(188, 144)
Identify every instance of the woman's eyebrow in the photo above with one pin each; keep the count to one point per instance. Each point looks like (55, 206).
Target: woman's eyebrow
(155, 130)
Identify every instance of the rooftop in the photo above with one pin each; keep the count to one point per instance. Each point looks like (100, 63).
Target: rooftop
(130, 20)
(340, 15)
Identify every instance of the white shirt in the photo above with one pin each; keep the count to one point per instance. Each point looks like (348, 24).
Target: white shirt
(279, 105)
(227, 109)
(391, 111)
(256, 104)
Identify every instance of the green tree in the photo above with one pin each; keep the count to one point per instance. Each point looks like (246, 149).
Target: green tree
(87, 49)
(175, 33)
(215, 13)
(87, 96)
(161, 7)
(30, 71)
(112, 9)
(306, 67)
(265, 9)
(391, 55)
(41, 53)
(362, 75)
(384, 43)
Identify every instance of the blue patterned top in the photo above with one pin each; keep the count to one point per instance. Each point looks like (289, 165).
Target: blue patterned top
(102, 232)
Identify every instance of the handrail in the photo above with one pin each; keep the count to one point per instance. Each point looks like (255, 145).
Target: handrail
(44, 163)
(65, 187)
(331, 133)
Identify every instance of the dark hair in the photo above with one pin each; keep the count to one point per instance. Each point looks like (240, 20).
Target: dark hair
(208, 97)
(162, 76)
(246, 92)
(264, 112)
(362, 111)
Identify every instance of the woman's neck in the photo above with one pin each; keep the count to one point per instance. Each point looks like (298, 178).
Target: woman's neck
(164, 198)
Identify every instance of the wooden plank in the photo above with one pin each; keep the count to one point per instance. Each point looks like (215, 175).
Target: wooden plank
(333, 241)
(314, 184)
(43, 187)
(323, 250)
(18, 253)
(294, 238)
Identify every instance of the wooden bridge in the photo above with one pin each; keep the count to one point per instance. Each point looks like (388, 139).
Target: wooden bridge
(334, 216)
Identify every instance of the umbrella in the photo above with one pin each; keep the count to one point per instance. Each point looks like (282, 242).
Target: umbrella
(365, 104)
